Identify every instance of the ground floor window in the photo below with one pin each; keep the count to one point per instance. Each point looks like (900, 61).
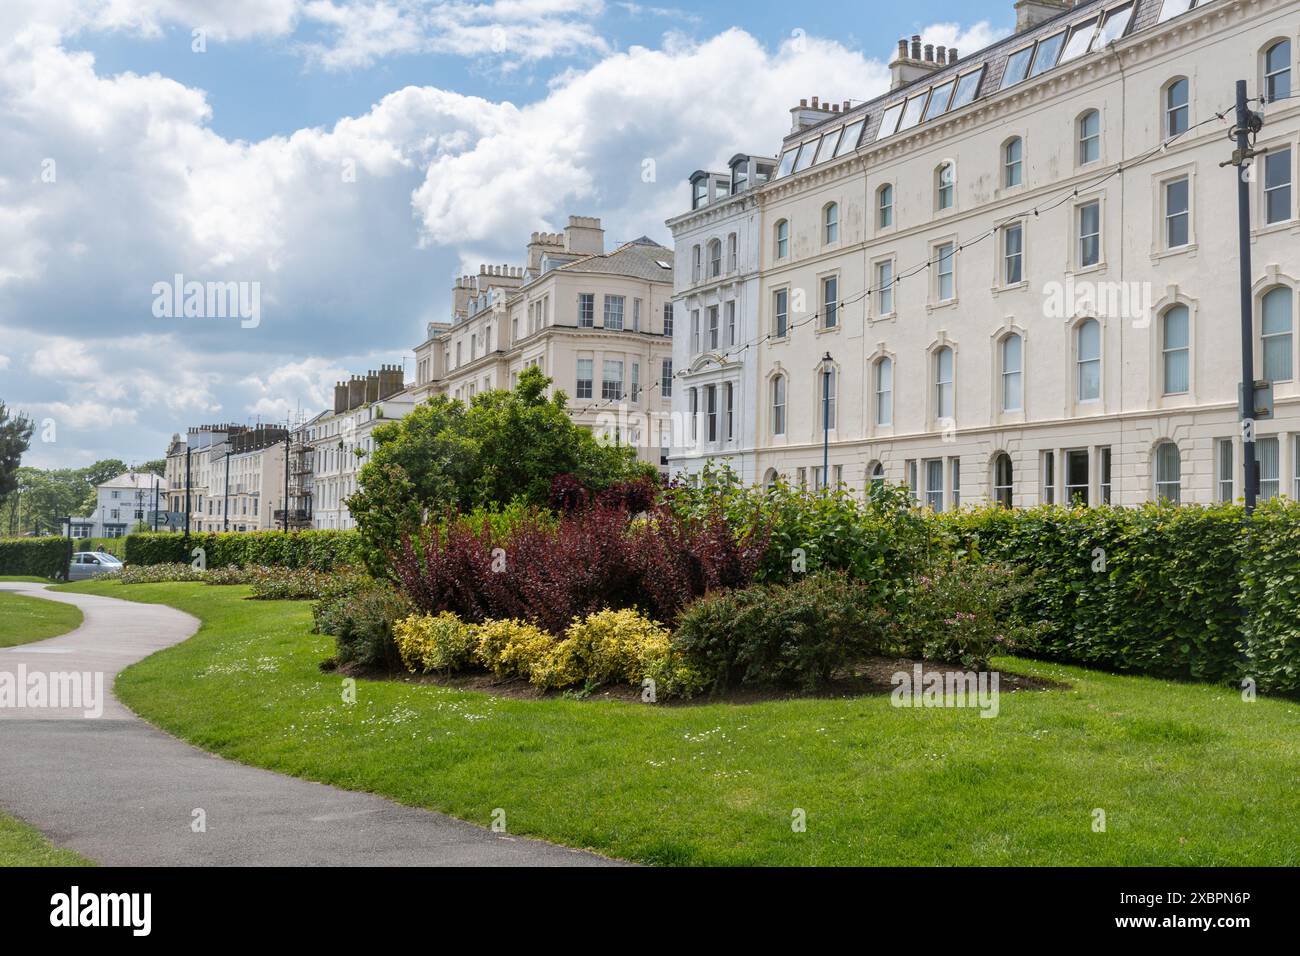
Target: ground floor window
(1269, 454)
(1169, 472)
(1076, 478)
(1002, 480)
(1224, 460)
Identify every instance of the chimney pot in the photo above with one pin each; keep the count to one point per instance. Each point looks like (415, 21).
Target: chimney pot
(941, 54)
(814, 102)
(952, 55)
(929, 53)
(846, 106)
(902, 49)
(803, 102)
(916, 46)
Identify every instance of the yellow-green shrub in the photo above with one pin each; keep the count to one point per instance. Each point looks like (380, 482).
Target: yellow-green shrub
(562, 667)
(427, 643)
(513, 648)
(611, 645)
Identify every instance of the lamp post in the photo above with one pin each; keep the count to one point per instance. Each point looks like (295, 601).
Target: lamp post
(828, 366)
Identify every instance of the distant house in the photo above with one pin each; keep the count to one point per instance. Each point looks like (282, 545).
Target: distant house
(120, 504)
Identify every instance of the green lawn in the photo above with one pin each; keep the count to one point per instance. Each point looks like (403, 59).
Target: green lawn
(1186, 774)
(24, 619)
(20, 845)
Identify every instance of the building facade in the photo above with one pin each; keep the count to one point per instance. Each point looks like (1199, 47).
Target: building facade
(122, 505)
(1013, 278)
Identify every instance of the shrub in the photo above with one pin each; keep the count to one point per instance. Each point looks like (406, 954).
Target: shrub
(155, 574)
(230, 575)
(775, 635)
(1270, 578)
(963, 612)
(613, 646)
(302, 584)
(427, 644)
(362, 624)
(513, 648)
(322, 550)
(36, 557)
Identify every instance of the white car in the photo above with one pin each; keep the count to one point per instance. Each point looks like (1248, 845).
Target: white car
(90, 564)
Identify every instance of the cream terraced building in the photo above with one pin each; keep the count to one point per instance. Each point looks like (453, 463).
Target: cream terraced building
(1018, 271)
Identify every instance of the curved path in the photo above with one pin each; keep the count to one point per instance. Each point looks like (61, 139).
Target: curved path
(121, 792)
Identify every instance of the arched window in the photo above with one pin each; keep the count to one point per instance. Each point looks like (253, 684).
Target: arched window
(778, 405)
(875, 478)
(1089, 137)
(1087, 349)
(1275, 329)
(1175, 347)
(783, 238)
(1169, 472)
(943, 383)
(769, 479)
(831, 223)
(885, 206)
(884, 385)
(1013, 356)
(1277, 70)
(945, 186)
(1013, 161)
(715, 258)
(731, 252)
(1002, 480)
(1177, 110)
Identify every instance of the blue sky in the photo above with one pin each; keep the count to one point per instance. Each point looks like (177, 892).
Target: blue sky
(127, 158)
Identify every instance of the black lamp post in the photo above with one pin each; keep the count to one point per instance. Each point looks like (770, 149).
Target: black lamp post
(828, 365)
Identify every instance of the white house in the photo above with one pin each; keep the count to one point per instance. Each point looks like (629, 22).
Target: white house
(121, 504)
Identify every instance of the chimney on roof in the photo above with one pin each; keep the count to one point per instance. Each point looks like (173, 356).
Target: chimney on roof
(806, 114)
(952, 55)
(340, 398)
(356, 392)
(1030, 13)
(912, 63)
(584, 236)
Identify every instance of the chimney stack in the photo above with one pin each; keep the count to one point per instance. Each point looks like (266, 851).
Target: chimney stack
(340, 398)
(913, 62)
(1030, 13)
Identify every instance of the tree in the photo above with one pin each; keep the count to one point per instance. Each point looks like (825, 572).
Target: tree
(15, 439)
(504, 446)
(157, 466)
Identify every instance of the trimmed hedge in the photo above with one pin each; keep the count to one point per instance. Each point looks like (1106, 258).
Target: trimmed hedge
(38, 557)
(1271, 598)
(319, 550)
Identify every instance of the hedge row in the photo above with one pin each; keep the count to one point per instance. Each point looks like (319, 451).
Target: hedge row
(320, 550)
(38, 557)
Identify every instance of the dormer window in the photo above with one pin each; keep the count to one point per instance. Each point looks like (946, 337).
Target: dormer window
(699, 191)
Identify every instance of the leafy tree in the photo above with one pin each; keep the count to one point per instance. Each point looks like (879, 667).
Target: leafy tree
(504, 446)
(157, 466)
(15, 439)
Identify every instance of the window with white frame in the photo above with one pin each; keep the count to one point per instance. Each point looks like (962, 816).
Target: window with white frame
(934, 484)
(1013, 356)
(1225, 476)
(1076, 477)
(1087, 357)
(943, 383)
(783, 239)
(830, 302)
(693, 404)
(611, 385)
(713, 328)
(885, 206)
(1177, 108)
(1169, 473)
(1277, 186)
(636, 382)
(729, 313)
(1013, 254)
(585, 376)
(912, 480)
(1178, 217)
(876, 478)
(586, 312)
(711, 413)
(1002, 480)
(781, 313)
(1089, 224)
(1089, 137)
(666, 378)
(1175, 349)
(884, 384)
(1268, 451)
(831, 223)
(945, 273)
(729, 412)
(732, 252)
(1048, 493)
(1013, 163)
(697, 264)
(1277, 70)
(1103, 474)
(885, 287)
(826, 398)
(945, 186)
(778, 405)
(696, 341)
(614, 312)
(1276, 323)
(668, 319)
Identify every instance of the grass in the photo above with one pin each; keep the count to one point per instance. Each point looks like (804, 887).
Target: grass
(24, 619)
(20, 845)
(26, 579)
(1186, 774)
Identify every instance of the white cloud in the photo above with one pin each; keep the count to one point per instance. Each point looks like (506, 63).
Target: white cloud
(4, 362)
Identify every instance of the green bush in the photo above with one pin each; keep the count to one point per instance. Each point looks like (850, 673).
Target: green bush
(361, 622)
(319, 550)
(435, 644)
(305, 584)
(35, 557)
(1270, 579)
(1153, 589)
(963, 612)
(155, 574)
(800, 634)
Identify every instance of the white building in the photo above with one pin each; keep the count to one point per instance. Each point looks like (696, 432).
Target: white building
(121, 504)
(1022, 265)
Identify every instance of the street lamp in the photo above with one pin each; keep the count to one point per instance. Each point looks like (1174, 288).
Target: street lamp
(828, 366)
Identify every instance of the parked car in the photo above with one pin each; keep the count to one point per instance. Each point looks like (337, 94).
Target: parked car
(90, 564)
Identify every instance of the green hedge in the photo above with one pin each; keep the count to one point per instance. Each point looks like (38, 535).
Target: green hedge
(39, 557)
(1271, 598)
(321, 550)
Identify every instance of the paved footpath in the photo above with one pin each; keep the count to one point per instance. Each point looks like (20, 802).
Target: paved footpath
(121, 792)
